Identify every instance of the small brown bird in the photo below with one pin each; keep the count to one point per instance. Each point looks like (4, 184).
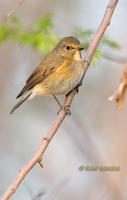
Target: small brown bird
(58, 73)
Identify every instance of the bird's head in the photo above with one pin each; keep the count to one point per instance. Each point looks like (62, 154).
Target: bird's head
(69, 47)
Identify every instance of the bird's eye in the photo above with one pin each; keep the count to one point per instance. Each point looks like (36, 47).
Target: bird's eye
(68, 47)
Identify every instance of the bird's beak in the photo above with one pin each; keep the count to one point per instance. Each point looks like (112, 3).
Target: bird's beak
(81, 48)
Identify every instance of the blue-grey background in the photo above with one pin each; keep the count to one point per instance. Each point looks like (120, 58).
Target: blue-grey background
(96, 132)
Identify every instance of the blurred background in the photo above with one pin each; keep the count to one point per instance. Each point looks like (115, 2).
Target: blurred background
(96, 132)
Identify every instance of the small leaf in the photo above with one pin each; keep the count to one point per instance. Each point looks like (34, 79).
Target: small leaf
(43, 40)
(15, 19)
(82, 33)
(97, 56)
(110, 43)
(44, 23)
(4, 33)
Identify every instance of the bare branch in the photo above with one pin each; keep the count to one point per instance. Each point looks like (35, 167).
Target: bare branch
(119, 95)
(68, 100)
(13, 10)
(16, 7)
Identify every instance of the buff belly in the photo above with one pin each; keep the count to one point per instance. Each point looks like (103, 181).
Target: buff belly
(61, 81)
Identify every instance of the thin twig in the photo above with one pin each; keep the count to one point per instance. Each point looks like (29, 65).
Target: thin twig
(13, 10)
(68, 100)
(119, 95)
(16, 7)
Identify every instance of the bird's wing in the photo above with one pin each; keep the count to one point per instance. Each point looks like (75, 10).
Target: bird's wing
(45, 68)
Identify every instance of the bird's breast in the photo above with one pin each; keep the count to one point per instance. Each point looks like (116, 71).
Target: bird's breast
(62, 80)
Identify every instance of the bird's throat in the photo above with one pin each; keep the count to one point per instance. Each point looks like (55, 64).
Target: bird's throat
(77, 56)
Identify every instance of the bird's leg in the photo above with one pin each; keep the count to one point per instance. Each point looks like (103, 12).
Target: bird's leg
(57, 100)
(40, 162)
(77, 89)
(79, 85)
(62, 107)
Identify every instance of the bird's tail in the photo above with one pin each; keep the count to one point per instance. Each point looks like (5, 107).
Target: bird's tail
(23, 98)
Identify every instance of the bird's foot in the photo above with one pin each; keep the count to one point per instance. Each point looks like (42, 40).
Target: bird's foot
(66, 108)
(77, 87)
(40, 162)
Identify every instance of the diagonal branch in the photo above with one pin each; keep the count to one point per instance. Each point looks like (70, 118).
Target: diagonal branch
(11, 13)
(68, 100)
(119, 95)
(16, 7)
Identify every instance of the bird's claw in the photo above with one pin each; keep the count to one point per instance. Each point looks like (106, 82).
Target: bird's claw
(66, 109)
(40, 162)
(77, 89)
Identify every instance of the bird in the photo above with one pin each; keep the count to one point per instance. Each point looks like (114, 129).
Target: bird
(59, 72)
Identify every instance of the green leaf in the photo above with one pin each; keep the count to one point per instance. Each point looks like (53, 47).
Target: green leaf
(44, 23)
(43, 39)
(4, 33)
(110, 43)
(96, 58)
(78, 32)
(24, 38)
(15, 19)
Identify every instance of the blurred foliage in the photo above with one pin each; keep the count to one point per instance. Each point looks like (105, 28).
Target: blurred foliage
(42, 37)
(81, 168)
